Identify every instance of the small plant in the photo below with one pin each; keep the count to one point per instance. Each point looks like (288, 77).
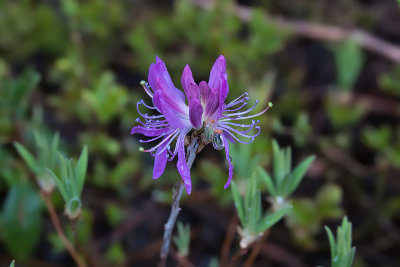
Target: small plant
(285, 179)
(46, 158)
(182, 239)
(249, 210)
(71, 182)
(342, 253)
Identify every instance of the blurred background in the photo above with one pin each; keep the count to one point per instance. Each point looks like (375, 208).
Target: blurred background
(331, 69)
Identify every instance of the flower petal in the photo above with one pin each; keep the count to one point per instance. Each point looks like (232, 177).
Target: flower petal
(159, 79)
(173, 115)
(204, 92)
(196, 113)
(149, 131)
(212, 103)
(188, 84)
(228, 158)
(182, 166)
(218, 68)
(160, 161)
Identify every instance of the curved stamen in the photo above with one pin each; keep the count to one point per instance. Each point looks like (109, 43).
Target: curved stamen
(236, 101)
(247, 117)
(244, 112)
(153, 139)
(236, 109)
(146, 116)
(244, 133)
(168, 144)
(162, 142)
(147, 106)
(153, 124)
(237, 139)
(147, 88)
(241, 125)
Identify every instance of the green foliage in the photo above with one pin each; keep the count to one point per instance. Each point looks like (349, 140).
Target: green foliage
(12, 263)
(14, 99)
(249, 210)
(71, 182)
(107, 99)
(21, 220)
(390, 81)
(306, 217)
(385, 141)
(114, 214)
(342, 253)
(182, 239)
(115, 254)
(285, 179)
(349, 60)
(46, 158)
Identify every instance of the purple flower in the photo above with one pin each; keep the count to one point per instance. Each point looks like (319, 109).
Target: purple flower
(206, 115)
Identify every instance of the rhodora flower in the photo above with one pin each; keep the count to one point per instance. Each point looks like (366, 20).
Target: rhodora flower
(205, 115)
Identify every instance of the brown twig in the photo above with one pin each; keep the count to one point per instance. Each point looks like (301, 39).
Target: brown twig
(256, 250)
(239, 253)
(320, 32)
(169, 226)
(60, 231)
(230, 235)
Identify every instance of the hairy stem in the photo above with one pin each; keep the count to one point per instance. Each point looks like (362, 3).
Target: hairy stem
(60, 232)
(177, 194)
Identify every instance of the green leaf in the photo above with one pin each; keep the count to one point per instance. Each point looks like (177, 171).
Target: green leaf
(60, 185)
(298, 173)
(349, 61)
(182, 239)
(26, 155)
(342, 254)
(21, 220)
(237, 198)
(267, 180)
(278, 163)
(270, 219)
(81, 169)
(12, 263)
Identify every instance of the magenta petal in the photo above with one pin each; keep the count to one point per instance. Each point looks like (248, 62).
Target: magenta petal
(204, 92)
(187, 80)
(159, 79)
(174, 117)
(218, 68)
(224, 88)
(212, 103)
(149, 131)
(228, 158)
(196, 113)
(182, 166)
(156, 100)
(160, 161)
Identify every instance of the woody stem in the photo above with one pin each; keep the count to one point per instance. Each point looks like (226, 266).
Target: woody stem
(177, 194)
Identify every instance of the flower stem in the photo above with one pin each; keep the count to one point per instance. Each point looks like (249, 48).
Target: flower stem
(56, 222)
(177, 194)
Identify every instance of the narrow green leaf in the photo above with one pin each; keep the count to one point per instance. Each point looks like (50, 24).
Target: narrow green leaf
(81, 168)
(288, 160)
(53, 150)
(267, 180)
(27, 156)
(254, 212)
(238, 201)
(270, 219)
(277, 163)
(298, 173)
(332, 243)
(12, 263)
(60, 185)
